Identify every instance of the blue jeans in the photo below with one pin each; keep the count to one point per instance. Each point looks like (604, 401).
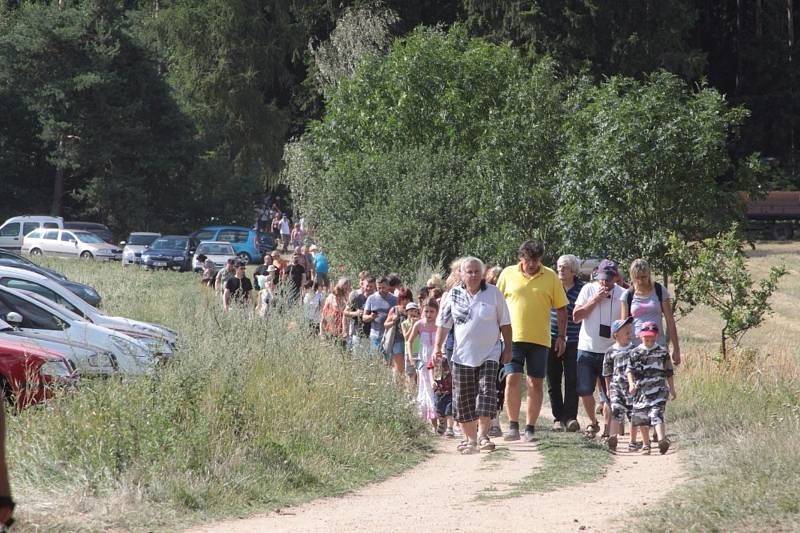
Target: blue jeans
(590, 367)
(530, 355)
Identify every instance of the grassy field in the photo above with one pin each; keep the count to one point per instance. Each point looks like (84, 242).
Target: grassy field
(737, 420)
(252, 415)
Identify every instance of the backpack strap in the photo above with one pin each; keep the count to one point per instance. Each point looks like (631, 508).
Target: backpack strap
(659, 292)
(629, 295)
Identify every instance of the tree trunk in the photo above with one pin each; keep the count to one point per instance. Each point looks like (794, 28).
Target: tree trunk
(724, 343)
(58, 185)
(790, 43)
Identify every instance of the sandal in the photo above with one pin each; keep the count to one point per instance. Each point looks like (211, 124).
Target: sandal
(485, 444)
(469, 449)
(591, 430)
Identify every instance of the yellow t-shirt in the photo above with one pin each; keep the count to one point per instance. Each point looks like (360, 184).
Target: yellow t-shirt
(529, 300)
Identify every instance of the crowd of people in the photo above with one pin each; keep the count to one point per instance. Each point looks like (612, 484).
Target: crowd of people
(461, 345)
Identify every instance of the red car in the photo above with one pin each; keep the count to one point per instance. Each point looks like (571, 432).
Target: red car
(29, 374)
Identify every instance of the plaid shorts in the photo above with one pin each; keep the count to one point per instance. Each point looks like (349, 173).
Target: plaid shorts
(475, 391)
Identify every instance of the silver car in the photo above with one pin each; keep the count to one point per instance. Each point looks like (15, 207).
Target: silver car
(137, 243)
(70, 243)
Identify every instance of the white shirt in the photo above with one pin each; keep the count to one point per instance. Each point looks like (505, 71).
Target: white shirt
(477, 339)
(605, 313)
(285, 230)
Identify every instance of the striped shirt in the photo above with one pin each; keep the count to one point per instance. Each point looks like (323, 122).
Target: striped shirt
(573, 329)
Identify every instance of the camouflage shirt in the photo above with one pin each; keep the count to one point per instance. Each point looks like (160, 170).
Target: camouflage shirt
(650, 370)
(615, 365)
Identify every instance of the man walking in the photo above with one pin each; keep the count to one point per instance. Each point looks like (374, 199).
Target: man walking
(320, 266)
(237, 289)
(596, 308)
(531, 290)
(478, 314)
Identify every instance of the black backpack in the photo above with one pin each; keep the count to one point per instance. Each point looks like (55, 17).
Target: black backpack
(629, 296)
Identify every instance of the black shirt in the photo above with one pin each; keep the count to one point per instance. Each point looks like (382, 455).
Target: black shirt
(295, 273)
(239, 289)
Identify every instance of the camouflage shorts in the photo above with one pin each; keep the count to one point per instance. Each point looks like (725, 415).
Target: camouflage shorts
(649, 416)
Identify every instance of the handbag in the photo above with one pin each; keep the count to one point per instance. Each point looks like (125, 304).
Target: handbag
(387, 341)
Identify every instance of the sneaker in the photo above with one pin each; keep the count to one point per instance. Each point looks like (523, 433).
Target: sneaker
(558, 426)
(529, 435)
(645, 449)
(663, 446)
(634, 446)
(485, 444)
(573, 426)
(463, 444)
(511, 434)
(449, 433)
(612, 443)
(495, 431)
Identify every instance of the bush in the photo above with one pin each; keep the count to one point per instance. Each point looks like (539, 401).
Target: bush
(252, 413)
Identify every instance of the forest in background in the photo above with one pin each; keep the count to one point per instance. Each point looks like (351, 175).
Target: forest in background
(165, 114)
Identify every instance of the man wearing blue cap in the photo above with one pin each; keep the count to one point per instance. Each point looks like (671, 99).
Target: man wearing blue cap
(596, 307)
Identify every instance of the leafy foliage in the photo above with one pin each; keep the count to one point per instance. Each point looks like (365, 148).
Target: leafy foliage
(448, 144)
(713, 272)
(641, 159)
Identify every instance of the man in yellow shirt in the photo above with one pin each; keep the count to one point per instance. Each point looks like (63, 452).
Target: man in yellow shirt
(531, 290)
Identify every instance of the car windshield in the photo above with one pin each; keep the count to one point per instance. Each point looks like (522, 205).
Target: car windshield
(215, 249)
(141, 240)
(169, 244)
(90, 238)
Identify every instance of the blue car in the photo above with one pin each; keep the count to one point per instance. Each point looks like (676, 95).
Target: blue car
(249, 245)
(173, 252)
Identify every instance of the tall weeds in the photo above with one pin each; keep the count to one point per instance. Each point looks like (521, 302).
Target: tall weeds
(251, 412)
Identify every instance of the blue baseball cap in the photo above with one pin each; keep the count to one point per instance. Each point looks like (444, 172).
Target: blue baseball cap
(619, 324)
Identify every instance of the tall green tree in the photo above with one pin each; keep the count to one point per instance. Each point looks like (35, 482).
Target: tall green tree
(448, 144)
(116, 145)
(642, 159)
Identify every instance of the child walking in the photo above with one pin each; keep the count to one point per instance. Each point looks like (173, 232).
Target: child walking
(412, 316)
(443, 390)
(651, 382)
(615, 367)
(425, 329)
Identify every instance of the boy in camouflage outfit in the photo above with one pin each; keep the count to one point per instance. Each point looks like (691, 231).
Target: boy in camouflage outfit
(615, 367)
(650, 382)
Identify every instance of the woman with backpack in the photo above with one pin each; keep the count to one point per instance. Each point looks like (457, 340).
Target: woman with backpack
(647, 301)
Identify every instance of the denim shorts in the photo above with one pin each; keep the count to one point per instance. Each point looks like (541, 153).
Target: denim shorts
(399, 348)
(590, 367)
(530, 355)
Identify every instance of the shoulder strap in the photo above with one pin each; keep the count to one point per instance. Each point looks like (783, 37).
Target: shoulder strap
(629, 299)
(658, 291)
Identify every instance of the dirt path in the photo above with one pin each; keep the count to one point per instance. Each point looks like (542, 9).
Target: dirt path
(447, 484)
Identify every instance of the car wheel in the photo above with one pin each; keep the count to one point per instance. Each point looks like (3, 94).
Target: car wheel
(87, 255)
(36, 252)
(244, 256)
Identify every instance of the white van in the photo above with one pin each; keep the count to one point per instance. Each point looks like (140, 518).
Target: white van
(15, 228)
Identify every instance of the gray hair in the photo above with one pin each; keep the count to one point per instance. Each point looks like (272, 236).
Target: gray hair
(469, 260)
(571, 261)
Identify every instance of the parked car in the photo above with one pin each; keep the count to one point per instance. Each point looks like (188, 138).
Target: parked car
(170, 252)
(70, 243)
(249, 244)
(159, 340)
(15, 228)
(101, 230)
(103, 361)
(137, 243)
(85, 292)
(42, 319)
(30, 375)
(219, 252)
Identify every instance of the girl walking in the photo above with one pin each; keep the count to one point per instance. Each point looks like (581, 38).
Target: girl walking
(425, 329)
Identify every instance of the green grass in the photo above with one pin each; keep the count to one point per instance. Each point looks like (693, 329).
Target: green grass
(567, 459)
(738, 421)
(251, 416)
